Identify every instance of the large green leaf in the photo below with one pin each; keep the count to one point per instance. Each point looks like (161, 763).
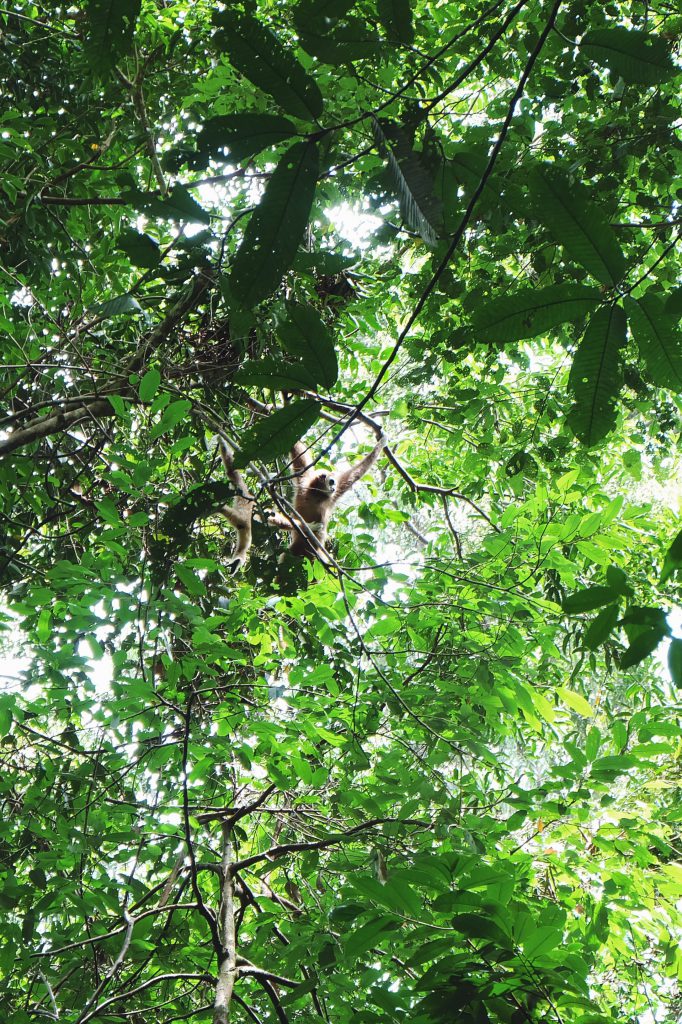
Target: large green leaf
(658, 338)
(532, 311)
(396, 17)
(111, 27)
(270, 372)
(347, 41)
(258, 54)
(418, 200)
(636, 56)
(596, 375)
(238, 136)
(141, 250)
(588, 599)
(178, 205)
(277, 434)
(276, 226)
(577, 223)
(304, 334)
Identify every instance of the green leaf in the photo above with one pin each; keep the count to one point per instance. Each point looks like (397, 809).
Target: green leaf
(589, 599)
(172, 415)
(258, 54)
(141, 250)
(532, 311)
(177, 205)
(110, 31)
(577, 223)
(304, 334)
(276, 435)
(115, 307)
(270, 372)
(396, 17)
(322, 12)
(596, 375)
(644, 644)
(276, 226)
(239, 136)
(634, 55)
(658, 338)
(418, 201)
(673, 558)
(673, 303)
(576, 702)
(601, 627)
(149, 385)
(345, 42)
(675, 661)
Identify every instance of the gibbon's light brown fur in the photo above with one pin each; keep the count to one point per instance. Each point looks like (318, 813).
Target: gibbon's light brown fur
(240, 513)
(316, 494)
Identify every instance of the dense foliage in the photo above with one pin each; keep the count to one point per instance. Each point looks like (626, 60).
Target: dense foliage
(436, 779)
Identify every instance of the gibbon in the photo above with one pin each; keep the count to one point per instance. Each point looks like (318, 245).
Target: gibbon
(315, 495)
(240, 513)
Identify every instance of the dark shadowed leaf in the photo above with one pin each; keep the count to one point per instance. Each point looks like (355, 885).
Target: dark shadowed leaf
(418, 201)
(675, 661)
(238, 136)
(115, 307)
(673, 558)
(275, 435)
(589, 599)
(111, 27)
(396, 17)
(673, 303)
(644, 644)
(596, 375)
(276, 226)
(598, 630)
(178, 204)
(141, 250)
(636, 56)
(659, 340)
(577, 223)
(257, 52)
(270, 372)
(304, 334)
(532, 311)
(348, 40)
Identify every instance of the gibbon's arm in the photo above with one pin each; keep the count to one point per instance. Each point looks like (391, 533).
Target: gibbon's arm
(300, 461)
(279, 521)
(239, 514)
(347, 478)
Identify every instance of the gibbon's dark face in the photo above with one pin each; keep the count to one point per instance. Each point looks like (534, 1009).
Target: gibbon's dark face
(323, 482)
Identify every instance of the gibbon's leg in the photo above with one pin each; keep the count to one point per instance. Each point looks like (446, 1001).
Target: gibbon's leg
(239, 514)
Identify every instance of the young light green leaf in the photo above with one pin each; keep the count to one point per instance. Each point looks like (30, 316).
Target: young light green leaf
(596, 375)
(304, 334)
(270, 372)
(575, 702)
(258, 54)
(634, 55)
(659, 340)
(673, 558)
(418, 201)
(276, 435)
(149, 385)
(110, 31)
(396, 17)
(675, 661)
(577, 223)
(276, 225)
(532, 311)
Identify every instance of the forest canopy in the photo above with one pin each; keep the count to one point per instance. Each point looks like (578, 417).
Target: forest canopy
(431, 771)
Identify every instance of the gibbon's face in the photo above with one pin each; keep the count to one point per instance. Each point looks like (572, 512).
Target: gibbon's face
(324, 483)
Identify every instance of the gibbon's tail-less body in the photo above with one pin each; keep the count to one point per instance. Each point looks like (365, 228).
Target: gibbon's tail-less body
(239, 514)
(315, 495)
